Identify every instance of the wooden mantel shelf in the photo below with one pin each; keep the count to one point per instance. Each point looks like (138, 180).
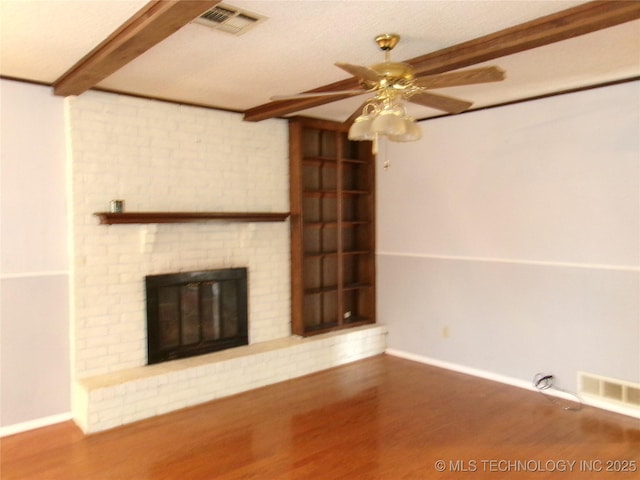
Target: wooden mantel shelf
(107, 218)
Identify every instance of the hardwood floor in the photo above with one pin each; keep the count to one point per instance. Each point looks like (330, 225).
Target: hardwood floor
(380, 418)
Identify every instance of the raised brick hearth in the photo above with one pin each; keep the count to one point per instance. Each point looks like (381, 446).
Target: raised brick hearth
(110, 400)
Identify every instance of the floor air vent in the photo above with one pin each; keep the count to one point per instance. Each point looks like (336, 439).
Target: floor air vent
(229, 19)
(610, 390)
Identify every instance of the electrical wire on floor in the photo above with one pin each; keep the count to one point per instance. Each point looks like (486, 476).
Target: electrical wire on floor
(544, 382)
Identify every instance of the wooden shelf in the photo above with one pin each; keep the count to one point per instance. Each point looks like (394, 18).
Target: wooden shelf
(107, 218)
(319, 161)
(320, 193)
(355, 192)
(355, 321)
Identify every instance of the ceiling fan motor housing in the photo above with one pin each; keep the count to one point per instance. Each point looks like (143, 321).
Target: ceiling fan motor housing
(394, 71)
(391, 74)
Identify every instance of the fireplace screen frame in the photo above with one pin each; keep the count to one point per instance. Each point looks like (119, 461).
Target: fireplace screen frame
(233, 279)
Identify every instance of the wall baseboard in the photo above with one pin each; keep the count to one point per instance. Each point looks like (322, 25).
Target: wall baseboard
(514, 382)
(33, 424)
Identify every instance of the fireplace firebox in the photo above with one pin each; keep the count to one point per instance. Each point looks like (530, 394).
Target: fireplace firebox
(193, 313)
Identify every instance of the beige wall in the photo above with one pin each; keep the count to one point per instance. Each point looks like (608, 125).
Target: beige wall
(508, 239)
(34, 273)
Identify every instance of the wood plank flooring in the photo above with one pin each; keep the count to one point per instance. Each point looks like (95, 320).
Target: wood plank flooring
(380, 418)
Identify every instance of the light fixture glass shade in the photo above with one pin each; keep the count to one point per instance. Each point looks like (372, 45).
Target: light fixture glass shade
(361, 128)
(412, 133)
(389, 122)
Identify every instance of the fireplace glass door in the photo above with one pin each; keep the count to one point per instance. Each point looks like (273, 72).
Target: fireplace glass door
(196, 312)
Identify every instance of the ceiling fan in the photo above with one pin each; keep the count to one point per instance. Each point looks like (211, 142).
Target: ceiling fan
(393, 83)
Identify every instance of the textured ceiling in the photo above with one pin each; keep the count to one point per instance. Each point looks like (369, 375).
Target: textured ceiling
(295, 48)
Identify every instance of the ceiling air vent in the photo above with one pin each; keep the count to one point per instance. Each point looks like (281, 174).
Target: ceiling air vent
(229, 19)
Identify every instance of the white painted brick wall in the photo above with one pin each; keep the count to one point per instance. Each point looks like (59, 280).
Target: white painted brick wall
(165, 157)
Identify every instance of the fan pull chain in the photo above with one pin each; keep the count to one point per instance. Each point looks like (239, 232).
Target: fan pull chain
(386, 163)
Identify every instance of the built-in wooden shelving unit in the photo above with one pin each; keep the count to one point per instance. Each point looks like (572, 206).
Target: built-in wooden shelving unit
(332, 228)
(108, 218)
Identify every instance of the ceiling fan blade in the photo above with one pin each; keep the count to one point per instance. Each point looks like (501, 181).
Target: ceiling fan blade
(463, 77)
(440, 102)
(318, 94)
(359, 71)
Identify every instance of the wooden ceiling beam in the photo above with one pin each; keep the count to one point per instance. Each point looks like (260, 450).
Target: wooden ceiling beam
(154, 22)
(582, 19)
(573, 22)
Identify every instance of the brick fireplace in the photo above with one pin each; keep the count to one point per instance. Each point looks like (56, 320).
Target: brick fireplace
(164, 157)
